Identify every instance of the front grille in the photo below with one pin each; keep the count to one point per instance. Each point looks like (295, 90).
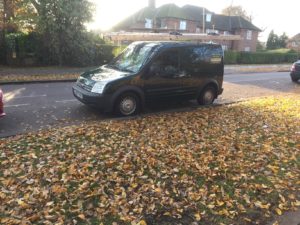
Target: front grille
(297, 67)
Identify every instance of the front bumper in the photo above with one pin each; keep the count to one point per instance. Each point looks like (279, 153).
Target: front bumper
(103, 102)
(295, 74)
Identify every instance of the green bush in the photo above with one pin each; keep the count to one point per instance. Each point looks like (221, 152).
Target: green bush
(2, 55)
(259, 57)
(32, 46)
(231, 57)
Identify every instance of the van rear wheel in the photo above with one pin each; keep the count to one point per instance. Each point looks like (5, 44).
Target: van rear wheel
(128, 104)
(207, 96)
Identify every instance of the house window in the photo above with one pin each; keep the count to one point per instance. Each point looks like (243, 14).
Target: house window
(249, 35)
(182, 25)
(211, 31)
(208, 17)
(224, 47)
(148, 23)
(247, 49)
(226, 33)
(163, 25)
(294, 44)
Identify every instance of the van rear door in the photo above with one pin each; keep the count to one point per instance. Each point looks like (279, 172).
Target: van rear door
(202, 63)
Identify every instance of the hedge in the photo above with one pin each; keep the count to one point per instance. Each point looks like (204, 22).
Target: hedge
(28, 50)
(231, 57)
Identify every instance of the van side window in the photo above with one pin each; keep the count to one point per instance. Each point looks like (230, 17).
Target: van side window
(166, 64)
(201, 60)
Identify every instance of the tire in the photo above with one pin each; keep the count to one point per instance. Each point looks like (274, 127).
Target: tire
(207, 96)
(128, 104)
(294, 79)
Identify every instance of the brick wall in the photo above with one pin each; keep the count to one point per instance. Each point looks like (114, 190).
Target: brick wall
(245, 44)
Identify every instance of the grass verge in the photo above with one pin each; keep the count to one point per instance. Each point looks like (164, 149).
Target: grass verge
(235, 164)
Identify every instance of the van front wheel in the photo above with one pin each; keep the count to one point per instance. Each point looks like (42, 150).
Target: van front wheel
(128, 104)
(207, 96)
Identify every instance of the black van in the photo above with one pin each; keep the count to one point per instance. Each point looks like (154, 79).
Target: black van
(154, 71)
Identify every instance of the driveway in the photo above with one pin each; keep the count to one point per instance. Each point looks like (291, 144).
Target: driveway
(30, 107)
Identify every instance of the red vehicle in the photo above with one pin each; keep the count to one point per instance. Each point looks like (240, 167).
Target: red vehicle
(1, 104)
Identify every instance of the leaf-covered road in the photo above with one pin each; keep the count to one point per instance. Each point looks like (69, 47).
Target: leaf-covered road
(236, 164)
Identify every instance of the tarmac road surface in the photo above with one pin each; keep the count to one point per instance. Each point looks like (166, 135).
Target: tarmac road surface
(30, 107)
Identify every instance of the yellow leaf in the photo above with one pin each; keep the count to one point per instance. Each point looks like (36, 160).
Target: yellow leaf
(57, 189)
(158, 190)
(278, 211)
(247, 219)
(23, 205)
(220, 203)
(142, 222)
(81, 216)
(211, 206)
(197, 216)
(261, 205)
(297, 203)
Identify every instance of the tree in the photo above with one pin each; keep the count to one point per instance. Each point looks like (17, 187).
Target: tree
(62, 24)
(283, 40)
(272, 42)
(236, 11)
(275, 42)
(25, 15)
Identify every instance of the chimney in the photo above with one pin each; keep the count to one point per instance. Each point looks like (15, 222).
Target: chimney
(151, 3)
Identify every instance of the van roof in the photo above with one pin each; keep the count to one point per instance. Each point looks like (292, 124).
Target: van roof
(169, 44)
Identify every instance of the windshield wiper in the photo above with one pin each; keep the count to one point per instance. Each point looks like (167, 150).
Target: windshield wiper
(113, 66)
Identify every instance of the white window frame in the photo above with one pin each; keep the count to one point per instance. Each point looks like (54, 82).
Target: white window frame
(249, 35)
(225, 47)
(182, 25)
(212, 31)
(148, 23)
(247, 49)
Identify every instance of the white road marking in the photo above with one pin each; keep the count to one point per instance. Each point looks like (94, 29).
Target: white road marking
(31, 96)
(63, 101)
(7, 106)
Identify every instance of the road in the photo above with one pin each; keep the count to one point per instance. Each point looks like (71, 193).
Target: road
(30, 107)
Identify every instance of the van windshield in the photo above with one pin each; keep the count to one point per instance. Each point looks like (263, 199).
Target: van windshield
(133, 57)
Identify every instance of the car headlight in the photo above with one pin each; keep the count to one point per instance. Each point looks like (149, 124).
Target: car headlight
(98, 87)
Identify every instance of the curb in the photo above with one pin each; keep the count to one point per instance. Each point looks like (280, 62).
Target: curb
(37, 81)
(74, 80)
(230, 72)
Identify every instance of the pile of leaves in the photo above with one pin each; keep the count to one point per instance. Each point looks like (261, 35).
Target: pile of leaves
(37, 77)
(235, 164)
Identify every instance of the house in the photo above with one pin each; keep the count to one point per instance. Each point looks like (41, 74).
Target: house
(191, 19)
(294, 43)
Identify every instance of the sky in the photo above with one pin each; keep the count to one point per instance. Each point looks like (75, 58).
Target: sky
(280, 16)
